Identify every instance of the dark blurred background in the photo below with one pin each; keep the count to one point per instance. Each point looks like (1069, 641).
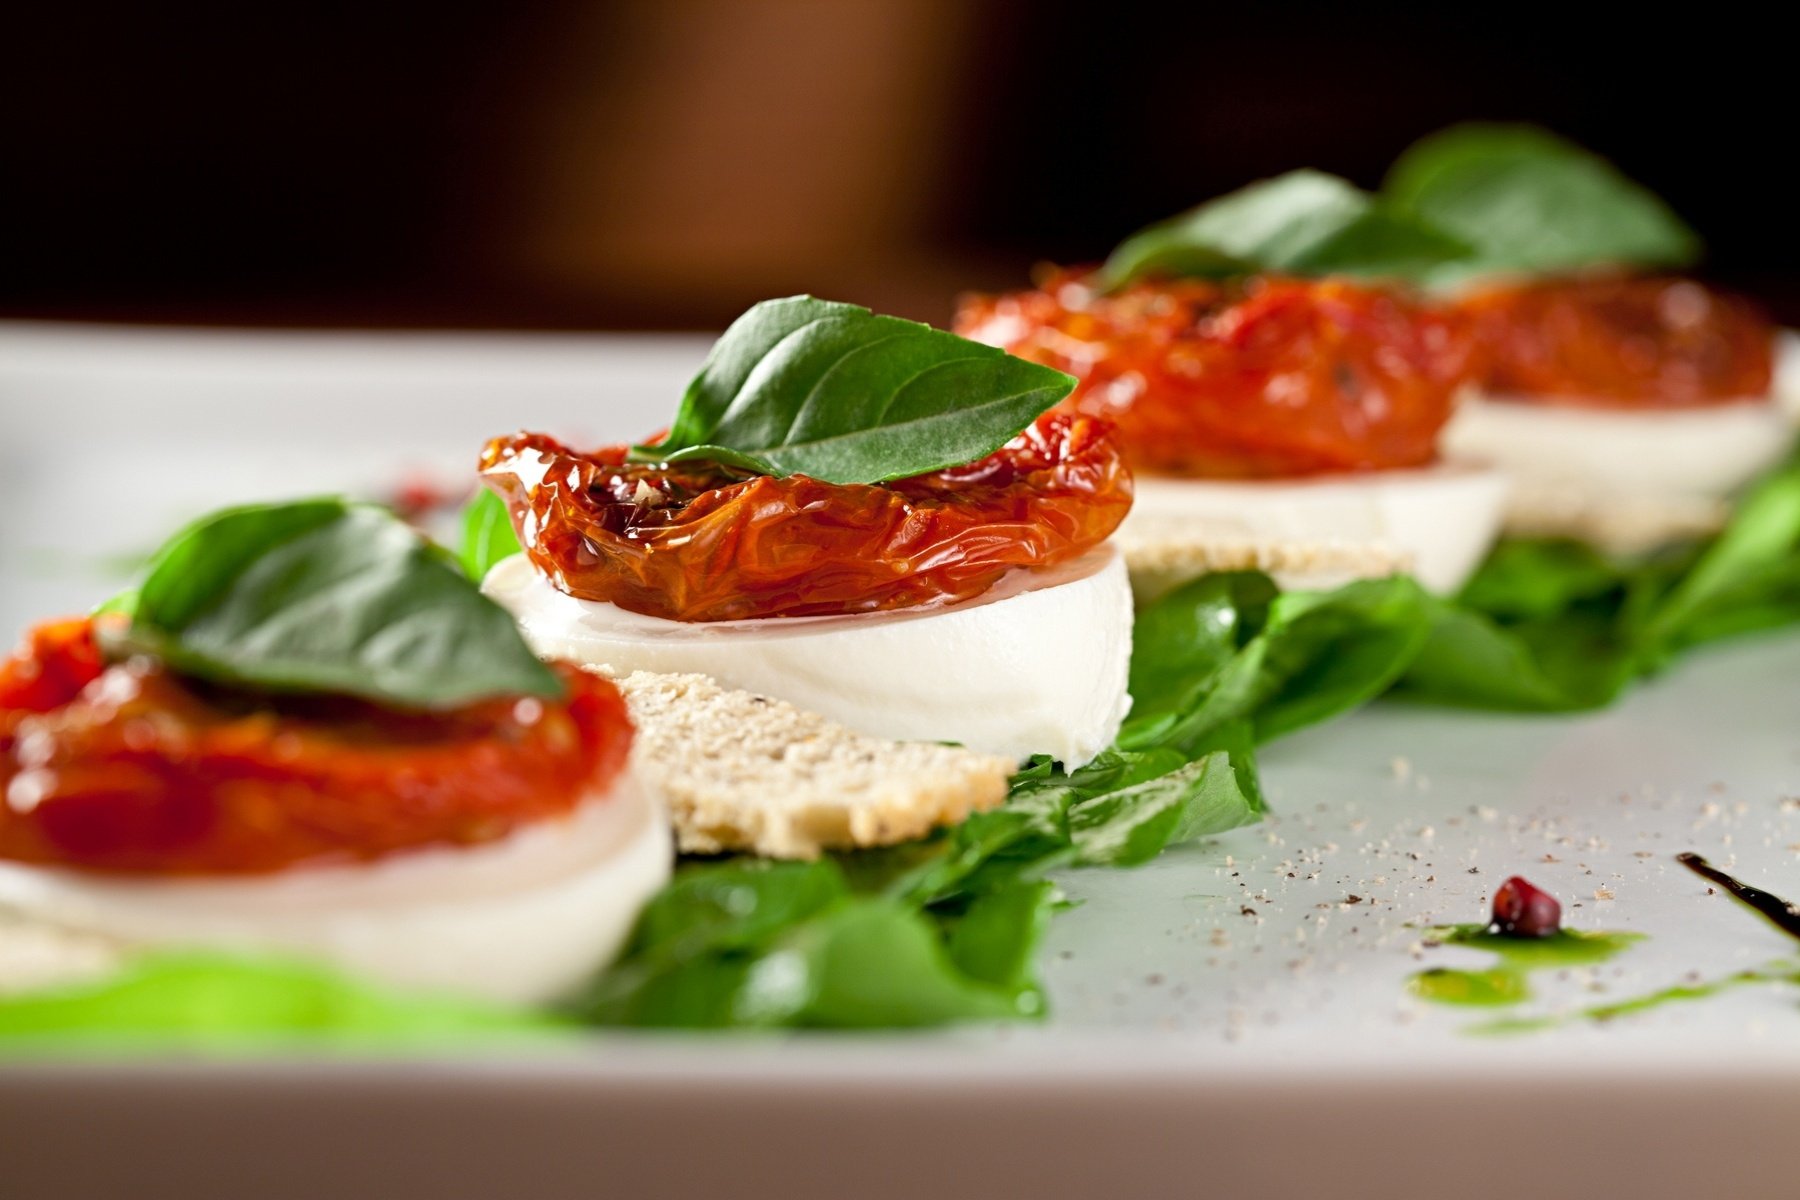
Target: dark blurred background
(651, 163)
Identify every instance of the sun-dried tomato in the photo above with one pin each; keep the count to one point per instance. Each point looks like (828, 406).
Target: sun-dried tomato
(1264, 378)
(130, 768)
(1619, 342)
(696, 542)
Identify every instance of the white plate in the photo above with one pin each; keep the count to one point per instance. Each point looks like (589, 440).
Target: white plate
(1193, 1048)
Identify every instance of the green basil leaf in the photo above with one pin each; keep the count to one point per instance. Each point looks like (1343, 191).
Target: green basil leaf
(1332, 652)
(1563, 663)
(1751, 567)
(1135, 824)
(1301, 223)
(1539, 577)
(1181, 646)
(748, 945)
(996, 940)
(487, 535)
(328, 596)
(1527, 200)
(805, 386)
(691, 953)
(1227, 648)
(220, 1002)
(737, 905)
(873, 964)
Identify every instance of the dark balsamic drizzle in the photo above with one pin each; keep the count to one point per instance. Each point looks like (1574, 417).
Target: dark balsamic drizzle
(1786, 916)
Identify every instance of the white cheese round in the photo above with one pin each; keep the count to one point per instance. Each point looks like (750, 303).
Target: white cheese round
(1434, 522)
(523, 920)
(1787, 373)
(1036, 665)
(1625, 480)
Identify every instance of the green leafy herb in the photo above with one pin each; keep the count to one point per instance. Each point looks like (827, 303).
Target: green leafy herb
(1551, 626)
(220, 1002)
(838, 393)
(1301, 223)
(1746, 579)
(326, 596)
(748, 943)
(1527, 200)
(1231, 648)
(487, 535)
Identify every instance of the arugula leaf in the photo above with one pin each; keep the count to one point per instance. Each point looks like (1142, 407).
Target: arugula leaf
(1527, 200)
(215, 1001)
(806, 386)
(326, 596)
(487, 535)
(1301, 223)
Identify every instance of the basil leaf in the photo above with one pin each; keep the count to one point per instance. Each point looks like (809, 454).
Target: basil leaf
(875, 964)
(1539, 577)
(487, 535)
(996, 939)
(1527, 200)
(1301, 223)
(805, 386)
(1332, 652)
(327, 596)
(1135, 824)
(1227, 648)
(1754, 565)
(220, 1002)
(1568, 662)
(759, 945)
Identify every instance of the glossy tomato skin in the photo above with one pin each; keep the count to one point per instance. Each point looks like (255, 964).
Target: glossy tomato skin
(1264, 378)
(694, 542)
(1620, 342)
(127, 767)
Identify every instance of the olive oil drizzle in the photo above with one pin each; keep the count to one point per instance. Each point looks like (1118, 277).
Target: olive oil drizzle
(1600, 1014)
(1784, 914)
(1507, 982)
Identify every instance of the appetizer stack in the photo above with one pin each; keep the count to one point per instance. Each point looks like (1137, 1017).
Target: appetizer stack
(1630, 405)
(305, 731)
(1277, 422)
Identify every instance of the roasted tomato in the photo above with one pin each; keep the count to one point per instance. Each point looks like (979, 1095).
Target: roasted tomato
(1264, 379)
(1618, 342)
(695, 542)
(127, 767)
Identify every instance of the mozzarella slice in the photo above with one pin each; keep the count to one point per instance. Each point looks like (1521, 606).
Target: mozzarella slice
(1626, 481)
(1787, 373)
(523, 920)
(1436, 522)
(1036, 665)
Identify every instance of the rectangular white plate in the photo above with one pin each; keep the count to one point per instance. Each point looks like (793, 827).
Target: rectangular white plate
(1225, 1020)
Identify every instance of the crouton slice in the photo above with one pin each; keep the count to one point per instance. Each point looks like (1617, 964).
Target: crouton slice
(1163, 557)
(1619, 522)
(742, 772)
(36, 955)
